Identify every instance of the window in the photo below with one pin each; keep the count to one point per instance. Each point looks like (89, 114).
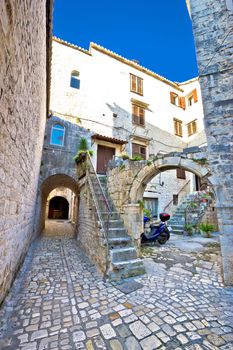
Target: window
(74, 80)
(138, 150)
(175, 199)
(192, 127)
(136, 84)
(178, 127)
(176, 100)
(180, 174)
(57, 135)
(138, 114)
(192, 98)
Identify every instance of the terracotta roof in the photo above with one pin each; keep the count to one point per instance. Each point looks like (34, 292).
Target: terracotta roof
(108, 139)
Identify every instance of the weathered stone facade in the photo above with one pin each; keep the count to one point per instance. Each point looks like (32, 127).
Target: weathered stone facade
(23, 37)
(212, 27)
(58, 167)
(89, 233)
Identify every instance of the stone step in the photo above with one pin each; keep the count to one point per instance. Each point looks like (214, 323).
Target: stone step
(119, 241)
(117, 232)
(115, 223)
(127, 272)
(114, 215)
(127, 263)
(178, 232)
(123, 254)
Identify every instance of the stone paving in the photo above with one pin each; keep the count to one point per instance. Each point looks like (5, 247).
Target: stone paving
(59, 301)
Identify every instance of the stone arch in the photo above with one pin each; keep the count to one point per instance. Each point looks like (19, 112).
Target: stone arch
(52, 180)
(146, 173)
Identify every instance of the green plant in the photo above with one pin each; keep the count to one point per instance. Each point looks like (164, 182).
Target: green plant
(149, 162)
(124, 156)
(83, 144)
(189, 229)
(147, 213)
(83, 149)
(134, 158)
(141, 204)
(206, 228)
(201, 161)
(193, 205)
(122, 167)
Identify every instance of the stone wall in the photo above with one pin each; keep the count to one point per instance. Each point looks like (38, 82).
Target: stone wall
(89, 234)
(127, 183)
(57, 162)
(212, 28)
(22, 118)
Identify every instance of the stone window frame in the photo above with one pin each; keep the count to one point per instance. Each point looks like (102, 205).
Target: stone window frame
(51, 132)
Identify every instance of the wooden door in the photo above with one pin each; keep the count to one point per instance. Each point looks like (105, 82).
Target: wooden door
(104, 155)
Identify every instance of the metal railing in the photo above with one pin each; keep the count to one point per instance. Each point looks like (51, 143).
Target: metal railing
(101, 204)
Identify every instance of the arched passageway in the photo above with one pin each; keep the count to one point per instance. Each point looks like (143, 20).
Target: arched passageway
(58, 208)
(58, 201)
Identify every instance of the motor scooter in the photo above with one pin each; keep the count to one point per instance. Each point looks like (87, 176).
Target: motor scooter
(159, 231)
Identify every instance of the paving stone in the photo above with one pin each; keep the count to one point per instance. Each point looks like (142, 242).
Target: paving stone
(115, 345)
(107, 331)
(139, 330)
(123, 331)
(79, 336)
(39, 334)
(150, 343)
(132, 344)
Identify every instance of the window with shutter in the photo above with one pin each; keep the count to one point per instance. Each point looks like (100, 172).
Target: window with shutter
(177, 127)
(138, 150)
(180, 174)
(192, 97)
(192, 128)
(136, 84)
(138, 115)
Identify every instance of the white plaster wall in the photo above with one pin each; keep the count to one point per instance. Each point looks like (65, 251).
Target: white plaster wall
(105, 88)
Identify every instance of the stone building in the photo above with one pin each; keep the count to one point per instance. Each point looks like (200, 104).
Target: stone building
(24, 62)
(214, 48)
(128, 109)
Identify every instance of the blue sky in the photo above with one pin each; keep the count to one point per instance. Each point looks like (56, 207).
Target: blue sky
(157, 33)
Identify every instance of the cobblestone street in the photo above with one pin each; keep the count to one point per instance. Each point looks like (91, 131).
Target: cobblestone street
(59, 301)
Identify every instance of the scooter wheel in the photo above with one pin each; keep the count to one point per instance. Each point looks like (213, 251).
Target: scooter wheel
(164, 237)
(162, 240)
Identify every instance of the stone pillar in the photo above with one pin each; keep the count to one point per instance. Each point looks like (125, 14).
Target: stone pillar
(212, 27)
(132, 217)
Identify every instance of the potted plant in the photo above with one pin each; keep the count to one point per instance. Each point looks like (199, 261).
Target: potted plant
(206, 229)
(82, 151)
(124, 156)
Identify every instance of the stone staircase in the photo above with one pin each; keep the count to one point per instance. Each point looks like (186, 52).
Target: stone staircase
(185, 214)
(123, 258)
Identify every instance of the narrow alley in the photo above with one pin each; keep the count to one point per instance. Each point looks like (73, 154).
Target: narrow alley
(59, 301)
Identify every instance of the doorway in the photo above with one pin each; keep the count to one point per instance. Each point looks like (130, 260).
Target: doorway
(104, 155)
(58, 208)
